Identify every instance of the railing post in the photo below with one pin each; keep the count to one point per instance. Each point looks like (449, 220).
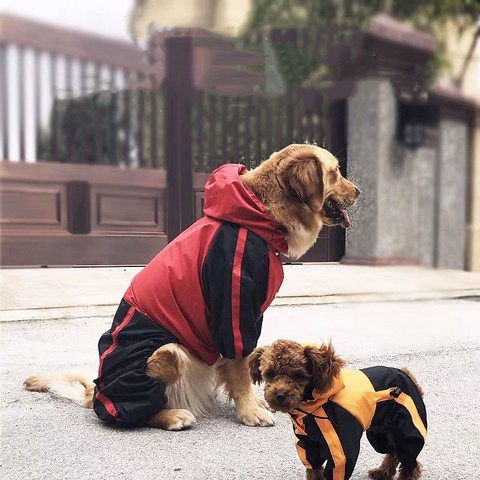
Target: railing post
(177, 140)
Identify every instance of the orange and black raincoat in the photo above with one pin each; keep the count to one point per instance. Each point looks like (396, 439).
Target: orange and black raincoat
(382, 401)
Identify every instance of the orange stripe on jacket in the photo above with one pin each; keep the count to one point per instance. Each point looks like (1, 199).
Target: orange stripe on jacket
(334, 445)
(409, 404)
(236, 285)
(297, 421)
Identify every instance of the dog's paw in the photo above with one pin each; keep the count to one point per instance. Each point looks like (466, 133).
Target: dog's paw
(172, 419)
(181, 420)
(256, 416)
(378, 474)
(262, 403)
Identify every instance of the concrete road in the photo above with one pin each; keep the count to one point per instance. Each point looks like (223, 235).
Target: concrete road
(49, 438)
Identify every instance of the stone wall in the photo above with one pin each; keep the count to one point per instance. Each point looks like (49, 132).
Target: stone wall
(413, 203)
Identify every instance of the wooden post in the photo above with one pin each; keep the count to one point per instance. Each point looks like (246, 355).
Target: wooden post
(177, 139)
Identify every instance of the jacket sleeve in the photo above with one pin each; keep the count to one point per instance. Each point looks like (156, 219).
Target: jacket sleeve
(234, 285)
(320, 444)
(309, 451)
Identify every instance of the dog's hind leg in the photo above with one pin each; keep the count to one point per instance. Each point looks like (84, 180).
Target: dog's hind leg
(233, 375)
(167, 364)
(386, 470)
(410, 474)
(189, 385)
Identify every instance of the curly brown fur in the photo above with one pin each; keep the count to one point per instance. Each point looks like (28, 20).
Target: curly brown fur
(386, 470)
(407, 474)
(413, 379)
(316, 474)
(287, 368)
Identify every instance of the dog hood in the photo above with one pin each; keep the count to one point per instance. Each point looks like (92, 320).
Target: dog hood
(227, 199)
(317, 399)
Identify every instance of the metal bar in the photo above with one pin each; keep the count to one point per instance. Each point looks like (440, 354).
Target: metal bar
(69, 111)
(97, 124)
(302, 116)
(199, 130)
(246, 132)
(112, 132)
(212, 137)
(83, 119)
(279, 114)
(5, 99)
(224, 127)
(268, 127)
(54, 116)
(235, 125)
(21, 102)
(126, 102)
(153, 128)
(37, 82)
(141, 119)
(258, 129)
(290, 115)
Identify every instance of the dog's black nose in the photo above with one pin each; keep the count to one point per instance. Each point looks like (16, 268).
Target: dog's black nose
(280, 397)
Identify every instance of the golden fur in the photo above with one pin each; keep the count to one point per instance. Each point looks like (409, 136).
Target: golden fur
(294, 185)
(287, 368)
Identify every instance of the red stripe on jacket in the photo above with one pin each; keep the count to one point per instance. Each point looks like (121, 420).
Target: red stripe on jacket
(115, 333)
(236, 284)
(108, 404)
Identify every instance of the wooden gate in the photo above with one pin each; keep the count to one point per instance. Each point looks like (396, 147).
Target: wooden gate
(105, 155)
(209, 124)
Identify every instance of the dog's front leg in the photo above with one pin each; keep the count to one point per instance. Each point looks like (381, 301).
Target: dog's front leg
(234, 376)
(315, 474)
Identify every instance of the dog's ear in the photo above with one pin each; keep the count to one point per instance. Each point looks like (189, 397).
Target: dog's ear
(303, 175)
(325, 365)
(254, 364)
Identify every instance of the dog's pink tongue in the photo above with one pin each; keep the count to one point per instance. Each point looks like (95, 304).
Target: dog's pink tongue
(346, 221)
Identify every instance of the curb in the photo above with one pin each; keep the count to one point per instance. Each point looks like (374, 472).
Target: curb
(108, 310)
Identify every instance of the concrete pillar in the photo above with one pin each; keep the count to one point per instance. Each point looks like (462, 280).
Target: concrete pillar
(474, 227)
(424, 165)
(414, 202)
(385, 222)
(452, 194)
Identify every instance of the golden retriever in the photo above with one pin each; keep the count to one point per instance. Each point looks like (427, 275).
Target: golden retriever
(301, 188)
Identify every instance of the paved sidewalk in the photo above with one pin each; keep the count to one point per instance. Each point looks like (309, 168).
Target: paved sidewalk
(49, 293)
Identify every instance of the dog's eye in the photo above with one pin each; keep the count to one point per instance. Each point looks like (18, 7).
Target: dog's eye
(270, 374)
(298, 376)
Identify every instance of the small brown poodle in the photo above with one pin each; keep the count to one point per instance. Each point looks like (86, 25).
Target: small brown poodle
(330, 408)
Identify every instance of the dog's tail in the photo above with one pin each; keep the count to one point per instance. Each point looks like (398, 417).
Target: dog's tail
(72, 386)
(413, 379)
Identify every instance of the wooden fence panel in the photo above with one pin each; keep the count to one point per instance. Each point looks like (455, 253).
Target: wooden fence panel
(80, 215)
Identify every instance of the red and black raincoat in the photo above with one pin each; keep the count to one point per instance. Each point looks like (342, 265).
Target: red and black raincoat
(207, 290)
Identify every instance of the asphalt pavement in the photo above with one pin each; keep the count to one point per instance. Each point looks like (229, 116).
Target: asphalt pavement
(435, 334)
